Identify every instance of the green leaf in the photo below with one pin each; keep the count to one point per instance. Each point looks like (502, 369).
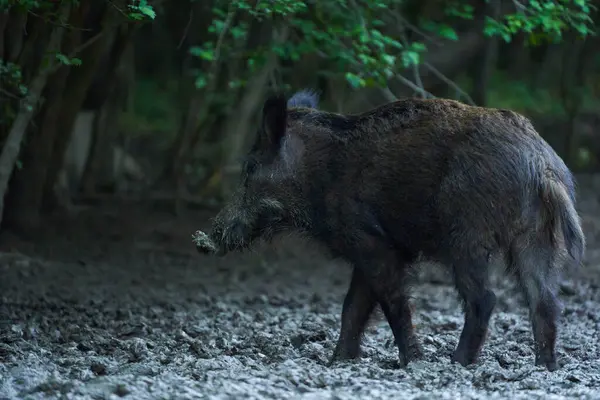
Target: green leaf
(418, 46)
(203, 53)
(147, 11)
(66, 61)
(410, 58)
(201, 82)
(354, 80)
(140, 9)
(389, 59)
(63, 59)
(448, 33)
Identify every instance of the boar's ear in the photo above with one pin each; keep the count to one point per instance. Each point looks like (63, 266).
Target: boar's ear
(274, 120)
(304, 98)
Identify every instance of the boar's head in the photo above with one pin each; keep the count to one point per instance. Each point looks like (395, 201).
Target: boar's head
(268, 199)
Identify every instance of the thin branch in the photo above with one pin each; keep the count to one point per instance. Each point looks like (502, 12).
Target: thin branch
(127, 17)
(9, 94)
(186, 30)
(431, 68)
(116, 7)
(387, 93)
(415, 67)
(226, 26)
(449, 82)
(78, 49)
(212, 80)
(519, 6)
(410, 84)
(415, 29)
(49, 21)
(418, 80)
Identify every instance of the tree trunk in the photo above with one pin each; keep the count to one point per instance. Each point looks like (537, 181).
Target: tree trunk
(15, 24)
(28, 184)
(12, 146)
(519, 57)
(190, 124)
(101, 151)
(577, 58)
(550, 66)
(33, 49)
(237, 130)
(193, 100)
(77, 85)
(3, 24)
(486, 61)
(570, 96)
(99, 172)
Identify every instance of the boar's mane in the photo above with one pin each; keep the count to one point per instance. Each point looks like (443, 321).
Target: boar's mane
(398, 116)
(302, 107)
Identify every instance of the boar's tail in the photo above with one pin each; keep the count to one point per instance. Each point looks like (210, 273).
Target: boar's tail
(560, 213)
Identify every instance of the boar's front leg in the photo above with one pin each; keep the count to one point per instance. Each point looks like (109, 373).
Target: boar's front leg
(387, 276)
(358, 307)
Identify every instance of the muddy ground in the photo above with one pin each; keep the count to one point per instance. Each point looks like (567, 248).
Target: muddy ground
(116, 303)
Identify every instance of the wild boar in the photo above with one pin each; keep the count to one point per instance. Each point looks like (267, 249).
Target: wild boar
(413, 179)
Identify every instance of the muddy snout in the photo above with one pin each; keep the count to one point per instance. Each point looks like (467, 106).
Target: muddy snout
(204, 243)
(223, 238)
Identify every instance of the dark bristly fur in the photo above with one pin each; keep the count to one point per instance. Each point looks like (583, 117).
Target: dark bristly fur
(435, 179)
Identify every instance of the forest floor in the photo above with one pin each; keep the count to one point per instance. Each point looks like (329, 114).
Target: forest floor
(117, 303)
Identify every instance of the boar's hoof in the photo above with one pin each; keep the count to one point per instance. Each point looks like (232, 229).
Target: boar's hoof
(461, 358)
(403, 360)
(203, 243)
(340, 356)
(549, 362)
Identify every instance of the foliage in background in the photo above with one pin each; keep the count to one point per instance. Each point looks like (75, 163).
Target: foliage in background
(356, 42)
(152, 110)
(522, 96)
(544, 20)
(12, 86)
(352, 35)
(355, 38)
(362, 43)
(17, 102)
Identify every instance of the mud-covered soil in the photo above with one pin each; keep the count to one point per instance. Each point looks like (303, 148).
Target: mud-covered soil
(116, 303)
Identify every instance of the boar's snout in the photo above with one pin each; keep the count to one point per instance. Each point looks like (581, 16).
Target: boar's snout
(235, 228)
(235, 236)
(231, 234)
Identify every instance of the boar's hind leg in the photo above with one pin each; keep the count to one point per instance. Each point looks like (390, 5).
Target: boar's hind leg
(471, 279)
(358, 306)
(536, 271)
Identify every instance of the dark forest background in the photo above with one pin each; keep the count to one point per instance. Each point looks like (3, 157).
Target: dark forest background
(155, 100)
